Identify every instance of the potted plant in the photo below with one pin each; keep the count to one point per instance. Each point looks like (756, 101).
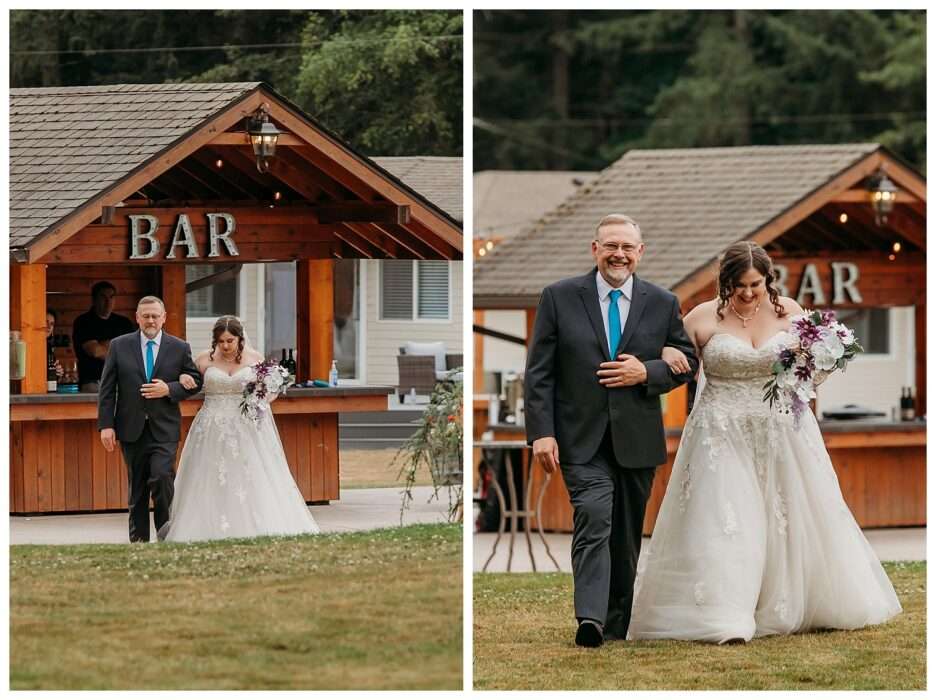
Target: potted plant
(437, 444)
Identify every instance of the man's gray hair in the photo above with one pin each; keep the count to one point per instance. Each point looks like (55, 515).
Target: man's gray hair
(150, 300)
(617, 219)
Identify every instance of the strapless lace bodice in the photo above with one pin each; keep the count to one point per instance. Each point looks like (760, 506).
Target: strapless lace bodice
(735, 373)
(219, 383)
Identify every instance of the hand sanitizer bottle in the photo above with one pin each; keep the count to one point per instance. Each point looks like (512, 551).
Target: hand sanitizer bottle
(333, 374)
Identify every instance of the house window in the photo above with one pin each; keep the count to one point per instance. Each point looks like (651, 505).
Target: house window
(871, 327)
(213, 301)
(414, 290)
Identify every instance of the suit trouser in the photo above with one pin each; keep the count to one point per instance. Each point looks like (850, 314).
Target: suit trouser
(149, 471)
(609, 503)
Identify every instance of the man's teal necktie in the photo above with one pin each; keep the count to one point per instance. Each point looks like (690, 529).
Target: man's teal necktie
(614, 321)
(149, 358)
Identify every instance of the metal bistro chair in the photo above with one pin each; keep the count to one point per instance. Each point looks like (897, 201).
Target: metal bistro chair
(514, 512)
(418, 372)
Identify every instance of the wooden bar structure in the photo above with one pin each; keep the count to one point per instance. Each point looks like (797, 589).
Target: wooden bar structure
(827, 236)
(133, 183)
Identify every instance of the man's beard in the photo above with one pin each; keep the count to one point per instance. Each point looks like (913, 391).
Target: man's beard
(150, 332)
(616, 276)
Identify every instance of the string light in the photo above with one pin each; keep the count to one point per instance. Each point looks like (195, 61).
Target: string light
(219, 163)
(489, 245)
(891, 257)
(277, 196)
(897, 246)
(482, 252)
(843, 217)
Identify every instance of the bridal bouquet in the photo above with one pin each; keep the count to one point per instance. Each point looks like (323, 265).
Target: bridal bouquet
(270, 380)
(819, 345)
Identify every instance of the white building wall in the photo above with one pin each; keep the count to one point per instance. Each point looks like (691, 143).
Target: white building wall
(382, 339)
(874, 381)
(250, 289)
(499, 355)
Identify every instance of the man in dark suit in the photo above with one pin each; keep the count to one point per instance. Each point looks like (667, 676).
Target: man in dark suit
(138, 404)
(593, 382)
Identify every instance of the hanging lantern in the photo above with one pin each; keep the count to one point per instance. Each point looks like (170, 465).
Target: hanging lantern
(263, 137)
(883, 194)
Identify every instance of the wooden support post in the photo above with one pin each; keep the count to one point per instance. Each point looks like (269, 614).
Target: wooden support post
(478, 353)
(173, 296)
(27, 315)
(920, 358)
(677, 403)
(530, 319)
(315, 301)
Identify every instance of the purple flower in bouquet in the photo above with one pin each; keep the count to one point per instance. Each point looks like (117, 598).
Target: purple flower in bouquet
(818, 346)
(269, 381)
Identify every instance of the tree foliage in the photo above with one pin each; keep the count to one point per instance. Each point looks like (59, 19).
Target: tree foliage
(388, 82)
(681, 78)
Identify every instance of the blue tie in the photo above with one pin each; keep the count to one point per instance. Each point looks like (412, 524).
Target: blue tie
(149, 358)
(614, 321)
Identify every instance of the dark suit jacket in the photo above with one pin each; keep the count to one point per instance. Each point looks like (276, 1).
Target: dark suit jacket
(120, 404)
(563, 398)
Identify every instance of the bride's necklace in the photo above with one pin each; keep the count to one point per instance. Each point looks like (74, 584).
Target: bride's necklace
(226, 358)
(744, 319)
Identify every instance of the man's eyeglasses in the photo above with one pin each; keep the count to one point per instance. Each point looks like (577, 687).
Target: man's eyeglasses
(625, 248)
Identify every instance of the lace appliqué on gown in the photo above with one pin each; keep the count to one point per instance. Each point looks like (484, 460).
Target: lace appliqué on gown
(233, 479)
(754, 538)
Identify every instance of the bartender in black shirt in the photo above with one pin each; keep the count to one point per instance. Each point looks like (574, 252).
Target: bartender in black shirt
(93, 331)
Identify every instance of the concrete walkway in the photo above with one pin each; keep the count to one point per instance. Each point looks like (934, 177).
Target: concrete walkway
(897, 544)
(357, 509)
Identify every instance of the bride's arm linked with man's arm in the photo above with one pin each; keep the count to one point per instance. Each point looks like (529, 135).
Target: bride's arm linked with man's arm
(189, 382)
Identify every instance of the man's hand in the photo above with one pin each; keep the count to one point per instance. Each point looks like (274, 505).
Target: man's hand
(676, 360)
(108, 439)
(155, 390)
(626, 371)
(546, 451)
(188, 381)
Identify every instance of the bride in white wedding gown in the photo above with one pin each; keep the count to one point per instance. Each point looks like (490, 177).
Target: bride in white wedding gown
(753, 537)
(233, 479)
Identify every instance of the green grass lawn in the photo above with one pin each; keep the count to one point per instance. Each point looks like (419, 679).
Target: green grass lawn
(524, 639)
(365, 610)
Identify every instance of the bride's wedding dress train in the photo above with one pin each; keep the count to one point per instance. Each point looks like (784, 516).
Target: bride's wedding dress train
(753, 537)
(233, 479)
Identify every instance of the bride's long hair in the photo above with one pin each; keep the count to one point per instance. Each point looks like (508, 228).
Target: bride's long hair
(737, 259)
(232, 325)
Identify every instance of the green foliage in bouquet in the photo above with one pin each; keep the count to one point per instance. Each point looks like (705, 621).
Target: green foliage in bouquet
(437, 444)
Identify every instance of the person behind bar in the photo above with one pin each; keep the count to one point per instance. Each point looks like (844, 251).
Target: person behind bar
(92, 333)
(138, 404)
(50, 318)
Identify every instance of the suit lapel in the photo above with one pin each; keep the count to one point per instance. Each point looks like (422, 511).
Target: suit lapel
(138, 355)
(163, 349)
(588, 290)
(638, 302)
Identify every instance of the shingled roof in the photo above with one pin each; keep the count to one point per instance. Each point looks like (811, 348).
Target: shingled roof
(437, 178)
(68, 144)
(507, 202)
(72, 144)
(690, 203)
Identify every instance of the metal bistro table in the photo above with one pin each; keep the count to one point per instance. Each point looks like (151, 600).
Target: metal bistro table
(514, 512)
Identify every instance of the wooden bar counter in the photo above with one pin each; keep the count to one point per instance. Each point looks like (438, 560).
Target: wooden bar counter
(57, 462)
(881, 468)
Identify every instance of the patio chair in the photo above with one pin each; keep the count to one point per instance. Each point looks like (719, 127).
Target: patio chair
(422, 365)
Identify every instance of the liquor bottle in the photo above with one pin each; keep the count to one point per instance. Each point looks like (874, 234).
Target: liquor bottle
(333, 374)
(291, 367)
(907, 410)
(283, 359)
(51, 376)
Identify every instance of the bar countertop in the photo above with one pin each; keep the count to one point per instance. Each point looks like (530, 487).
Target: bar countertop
(293, 393)
(826, 426)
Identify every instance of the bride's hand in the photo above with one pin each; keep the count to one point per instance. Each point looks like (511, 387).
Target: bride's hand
(188, 382)
(676, 360)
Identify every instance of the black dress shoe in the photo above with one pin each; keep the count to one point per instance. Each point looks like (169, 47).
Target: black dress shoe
(589, 634)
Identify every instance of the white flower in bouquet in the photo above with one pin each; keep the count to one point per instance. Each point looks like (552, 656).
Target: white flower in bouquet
(817, 346)
(269, 381)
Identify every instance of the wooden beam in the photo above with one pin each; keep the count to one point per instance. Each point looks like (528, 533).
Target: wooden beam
(379, 239)
(785, 221)
(364, 173)
(159, 163)
(365, 248)
(861, 196)
(27, 315)
(173, 296)
(315, 301)
(363, 212)
(240, 138)
(284, 172)
(231, 174)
